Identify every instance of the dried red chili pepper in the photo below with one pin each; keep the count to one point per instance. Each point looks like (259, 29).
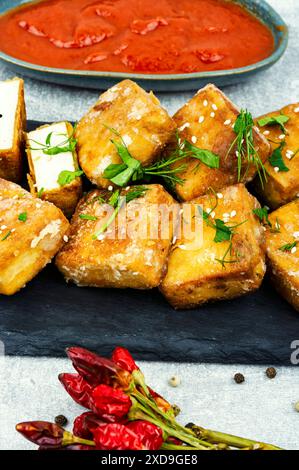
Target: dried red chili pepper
(98, 370)
(93, 368)
(77, 388)
(151, 435)
(107, 401)
(42, 433)
(117, 437)
(49, 435)
(123, 359)
(85, 424)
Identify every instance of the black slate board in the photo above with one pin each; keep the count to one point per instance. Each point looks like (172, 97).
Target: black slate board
(49, 315)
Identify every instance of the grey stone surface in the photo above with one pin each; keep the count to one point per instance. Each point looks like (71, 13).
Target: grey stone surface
(260, 408)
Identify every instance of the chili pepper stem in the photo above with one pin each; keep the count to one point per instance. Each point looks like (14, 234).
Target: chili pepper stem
(149, 402)
(138, 412)
(230, 440)
(214, 437)
(170, 419)
(69, 438)
(139, 379)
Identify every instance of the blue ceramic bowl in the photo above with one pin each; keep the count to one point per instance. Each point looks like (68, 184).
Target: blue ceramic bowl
(167, 82)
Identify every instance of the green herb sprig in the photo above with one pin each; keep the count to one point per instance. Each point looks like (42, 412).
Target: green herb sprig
(117, 200)
(131, 170)
(245, 148)
(6, 236)
(263, 214)
(23, 217)
(67, 145)
(88, 217)
(223, 232)
(40, 192)
(66, 177)
(279, 120)
(288, 247)
(276, 159)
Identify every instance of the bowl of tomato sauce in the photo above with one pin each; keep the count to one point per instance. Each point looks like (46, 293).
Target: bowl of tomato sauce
(169, 45)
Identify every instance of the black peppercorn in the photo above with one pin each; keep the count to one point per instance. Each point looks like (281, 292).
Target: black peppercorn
(271, 372)
(61, 420)
(239, 378)
(190, 425)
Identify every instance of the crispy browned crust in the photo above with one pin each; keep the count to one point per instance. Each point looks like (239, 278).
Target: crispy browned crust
(121, 262)
(212, 134)
(132, 112)
(282, 187)
(26, 247)
(195, 276)
(66, 197)
(284, 285)
(284, 265)
(11, 161)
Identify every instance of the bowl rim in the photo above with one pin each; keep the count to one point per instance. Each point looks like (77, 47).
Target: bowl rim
(277, 21)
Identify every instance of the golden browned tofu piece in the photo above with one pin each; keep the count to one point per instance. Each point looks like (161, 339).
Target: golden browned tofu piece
(31, 233)
(12, 125)
(132, 252)
(282, 241)
(206, 122)
(140, 119)
(50, 169)
(282, 186)
(201, 269)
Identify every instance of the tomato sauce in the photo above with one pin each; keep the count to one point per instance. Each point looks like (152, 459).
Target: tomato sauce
(135, 36)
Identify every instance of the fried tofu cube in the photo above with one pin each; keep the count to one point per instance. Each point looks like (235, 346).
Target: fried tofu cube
(206, 122)
(282, 187)
(136, 115)
(132, 252)
(12, 125)
(201, 269)
(31, 233)
(47, 163)
(282, 242)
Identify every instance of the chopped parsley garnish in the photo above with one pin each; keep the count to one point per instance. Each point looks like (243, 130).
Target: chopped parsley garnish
(245, 148)
(131, 170)
(223, 233)
(67, 145)
(88, 217)
(117, 201)
(279, 120)
(40, 192)
(6, 236)
(23, 217)
(276, 159)
(263, 214)
(67, 177)
(206, 157)
(288, 247)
